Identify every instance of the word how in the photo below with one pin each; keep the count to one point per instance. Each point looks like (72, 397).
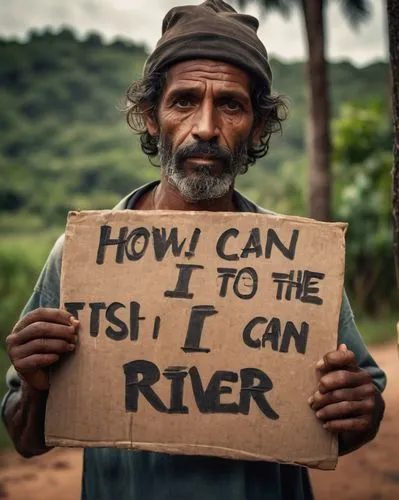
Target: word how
(132, 244)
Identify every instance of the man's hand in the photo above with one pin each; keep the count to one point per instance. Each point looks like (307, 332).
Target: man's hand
(347, 401)
(37, 342)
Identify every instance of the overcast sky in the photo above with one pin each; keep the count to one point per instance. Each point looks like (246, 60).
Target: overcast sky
(140, 20)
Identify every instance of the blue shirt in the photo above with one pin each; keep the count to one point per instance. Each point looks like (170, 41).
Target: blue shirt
(120, 474)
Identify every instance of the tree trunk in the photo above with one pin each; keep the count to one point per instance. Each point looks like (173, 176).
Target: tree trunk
(319, 112)
(393, 27)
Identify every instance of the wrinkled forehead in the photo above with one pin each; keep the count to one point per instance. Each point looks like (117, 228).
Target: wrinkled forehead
(196, 72)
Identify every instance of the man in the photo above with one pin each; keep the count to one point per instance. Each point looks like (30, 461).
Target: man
(205, 107)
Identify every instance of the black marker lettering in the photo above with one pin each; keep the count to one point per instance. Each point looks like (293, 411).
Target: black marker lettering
(257, 392)
(162, 242)
(208, 401)
(157, 324)
(273, 239)
(183, 281)
(74, 308)
(253, 244)
(122, 331)
(272, 333)
(135, 319)
(220, 246)
(246, 335)
(139, 237)
(251, 275)
(133, 386)
(309, 290)
(225, 273)
(95, 307)
(105, 241)
(176, 374)
(193, 243)
(195, 327)
(301, 338)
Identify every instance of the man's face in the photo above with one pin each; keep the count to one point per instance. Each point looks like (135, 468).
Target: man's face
(205, 120)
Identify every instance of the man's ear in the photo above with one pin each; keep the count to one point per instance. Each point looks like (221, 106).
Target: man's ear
(151, 124)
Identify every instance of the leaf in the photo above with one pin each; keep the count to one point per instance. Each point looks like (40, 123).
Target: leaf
(356, 11)
(284, 7)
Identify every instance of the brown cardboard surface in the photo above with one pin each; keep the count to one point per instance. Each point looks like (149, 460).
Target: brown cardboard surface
(142, 377)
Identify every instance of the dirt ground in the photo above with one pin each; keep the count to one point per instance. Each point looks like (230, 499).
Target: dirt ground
(371, 473)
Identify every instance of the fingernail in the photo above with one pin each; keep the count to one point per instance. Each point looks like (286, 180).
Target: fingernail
(71, 347)
(320, 363)
(75, 339)
(318, 414)
(310, 400)
(325, 426)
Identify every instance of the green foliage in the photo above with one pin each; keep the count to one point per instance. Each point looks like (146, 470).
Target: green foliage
(362, 197)
(378, 330)
(64, 145)
(20, 262)
(64, 142)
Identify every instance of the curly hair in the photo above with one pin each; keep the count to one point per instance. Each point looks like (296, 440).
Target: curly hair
(143, 98)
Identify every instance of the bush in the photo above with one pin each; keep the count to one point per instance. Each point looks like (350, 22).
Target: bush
(20, 263)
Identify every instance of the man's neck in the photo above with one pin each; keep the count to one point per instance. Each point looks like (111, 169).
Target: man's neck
(166, 197)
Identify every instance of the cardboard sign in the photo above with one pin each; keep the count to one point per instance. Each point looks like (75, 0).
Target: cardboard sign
(199, 333)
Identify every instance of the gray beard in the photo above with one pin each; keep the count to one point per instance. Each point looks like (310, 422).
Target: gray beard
(201, 186)
(204, 184)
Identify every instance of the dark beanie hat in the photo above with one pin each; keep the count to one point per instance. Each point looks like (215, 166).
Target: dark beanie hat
(211, 30)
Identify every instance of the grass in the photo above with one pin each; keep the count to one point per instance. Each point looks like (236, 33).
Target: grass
(377, 330)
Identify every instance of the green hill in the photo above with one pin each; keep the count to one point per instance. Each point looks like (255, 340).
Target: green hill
(64, 140)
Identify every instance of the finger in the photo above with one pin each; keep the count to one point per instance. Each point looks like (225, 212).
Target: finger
(339, 359)
(359, 424)
(342, 379)
(48, 315)
(346, 409)
(43, 330)
(35, 362)
(42, 346)
(319, 400)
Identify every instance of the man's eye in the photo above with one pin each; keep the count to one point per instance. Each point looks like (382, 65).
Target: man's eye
(183, 103)
(232, 105)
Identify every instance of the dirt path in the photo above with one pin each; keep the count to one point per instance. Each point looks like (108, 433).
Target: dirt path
(372, 473)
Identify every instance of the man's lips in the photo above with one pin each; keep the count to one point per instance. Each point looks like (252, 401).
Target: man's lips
(202, 159)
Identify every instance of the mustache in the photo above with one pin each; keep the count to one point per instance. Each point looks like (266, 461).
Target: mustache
(203, 148)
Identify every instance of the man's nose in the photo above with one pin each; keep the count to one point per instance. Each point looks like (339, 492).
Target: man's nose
(205, 127)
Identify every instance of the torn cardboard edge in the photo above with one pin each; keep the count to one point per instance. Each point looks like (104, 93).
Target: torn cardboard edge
(323, 463)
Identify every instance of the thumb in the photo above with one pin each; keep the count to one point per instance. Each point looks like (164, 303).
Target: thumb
(342, 347)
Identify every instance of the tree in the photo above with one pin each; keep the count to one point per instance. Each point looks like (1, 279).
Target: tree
(319, 103)
(393, 28)
(362, 140)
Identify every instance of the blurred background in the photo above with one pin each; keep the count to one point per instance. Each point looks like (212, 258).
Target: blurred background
(64, 144)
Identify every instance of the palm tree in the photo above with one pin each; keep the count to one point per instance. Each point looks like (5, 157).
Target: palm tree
(393, 29)
(319, 103)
